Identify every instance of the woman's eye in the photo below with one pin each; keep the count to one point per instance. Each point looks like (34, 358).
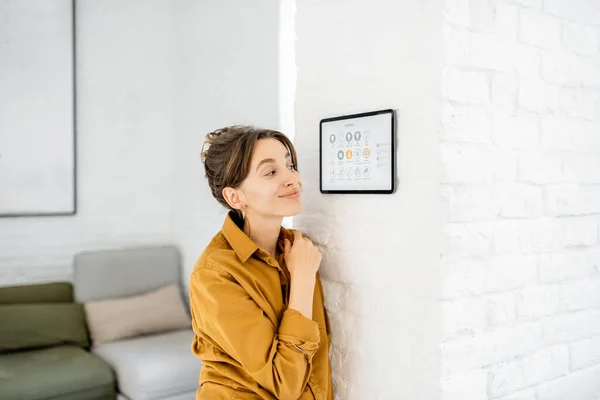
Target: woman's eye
(272, 172)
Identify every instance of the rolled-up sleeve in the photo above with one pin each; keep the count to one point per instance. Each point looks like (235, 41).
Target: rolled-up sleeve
(300, 331)
(279, 359)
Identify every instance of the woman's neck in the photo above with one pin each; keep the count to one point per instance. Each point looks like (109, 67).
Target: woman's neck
(264, 232)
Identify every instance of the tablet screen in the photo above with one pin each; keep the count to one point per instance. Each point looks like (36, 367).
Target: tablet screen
(357, 153)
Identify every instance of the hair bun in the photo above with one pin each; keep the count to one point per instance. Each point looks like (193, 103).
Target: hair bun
(210, 139)
(212, 136)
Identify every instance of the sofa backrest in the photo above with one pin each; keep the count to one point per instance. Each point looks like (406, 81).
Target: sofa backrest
(107, 274)
(54, 292)
(40, 315)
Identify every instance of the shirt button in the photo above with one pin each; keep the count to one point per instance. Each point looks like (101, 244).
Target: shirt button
(312, 379)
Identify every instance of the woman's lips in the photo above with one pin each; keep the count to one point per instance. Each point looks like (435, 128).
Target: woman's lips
(294, 195)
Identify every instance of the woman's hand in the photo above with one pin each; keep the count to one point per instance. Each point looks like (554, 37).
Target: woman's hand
(303, 259)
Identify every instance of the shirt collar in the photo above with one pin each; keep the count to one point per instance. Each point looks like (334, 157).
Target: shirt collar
(243, 246)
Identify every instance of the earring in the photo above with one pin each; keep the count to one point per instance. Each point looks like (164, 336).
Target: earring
(243, 211)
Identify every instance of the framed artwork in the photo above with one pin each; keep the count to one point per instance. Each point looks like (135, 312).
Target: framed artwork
(37, 108)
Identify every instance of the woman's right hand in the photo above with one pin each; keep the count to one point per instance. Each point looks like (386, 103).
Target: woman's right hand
(302, 258)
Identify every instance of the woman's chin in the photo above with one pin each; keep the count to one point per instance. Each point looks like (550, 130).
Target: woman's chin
(293, 211)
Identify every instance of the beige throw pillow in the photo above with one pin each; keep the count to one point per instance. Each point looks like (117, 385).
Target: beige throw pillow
(157, 311)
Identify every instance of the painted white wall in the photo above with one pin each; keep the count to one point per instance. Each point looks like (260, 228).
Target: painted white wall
(521, 151)
(381, 266)
(153, 78)
(226, 72)
(124, 144)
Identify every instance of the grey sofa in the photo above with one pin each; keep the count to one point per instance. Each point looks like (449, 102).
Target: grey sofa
(151, 367)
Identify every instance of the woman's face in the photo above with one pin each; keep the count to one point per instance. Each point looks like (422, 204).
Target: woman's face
(273, 186)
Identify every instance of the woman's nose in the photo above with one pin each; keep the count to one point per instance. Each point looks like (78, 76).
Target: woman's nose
(292, 179)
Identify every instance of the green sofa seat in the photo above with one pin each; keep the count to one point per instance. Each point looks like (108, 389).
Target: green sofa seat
(59, 373)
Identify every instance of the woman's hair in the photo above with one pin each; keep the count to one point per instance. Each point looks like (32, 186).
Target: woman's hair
(228, 157)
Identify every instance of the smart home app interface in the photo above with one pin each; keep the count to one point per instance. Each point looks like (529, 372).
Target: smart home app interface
(356, 153)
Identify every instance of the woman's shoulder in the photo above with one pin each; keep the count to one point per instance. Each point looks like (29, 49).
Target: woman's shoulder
(216, 255)
(217, 261)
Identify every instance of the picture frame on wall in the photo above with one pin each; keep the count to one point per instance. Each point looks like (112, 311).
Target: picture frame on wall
(37, 108)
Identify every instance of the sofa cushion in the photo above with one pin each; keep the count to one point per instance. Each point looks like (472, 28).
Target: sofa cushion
(61, 372)
(157, 311)
(154, 366)
(179, 396)
(26, 326)
(58, 292)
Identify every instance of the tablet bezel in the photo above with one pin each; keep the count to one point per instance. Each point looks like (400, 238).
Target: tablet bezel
(392, 151)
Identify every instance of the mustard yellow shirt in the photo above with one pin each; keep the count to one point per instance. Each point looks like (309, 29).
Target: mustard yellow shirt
(251, 345)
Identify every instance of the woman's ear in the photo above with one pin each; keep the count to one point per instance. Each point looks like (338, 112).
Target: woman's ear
(234, 197)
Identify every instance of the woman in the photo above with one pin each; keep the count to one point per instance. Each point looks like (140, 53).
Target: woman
(261, 329)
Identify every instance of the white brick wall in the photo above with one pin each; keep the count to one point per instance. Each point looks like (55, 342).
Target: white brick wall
(520, 146)
(382, 253)
(520, 136)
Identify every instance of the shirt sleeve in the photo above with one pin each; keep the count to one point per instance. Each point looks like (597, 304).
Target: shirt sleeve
(280, 360)
(327, 322)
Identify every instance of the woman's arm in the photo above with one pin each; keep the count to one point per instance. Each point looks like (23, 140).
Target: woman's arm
(302, 291)
(303, 260)
(279, 359)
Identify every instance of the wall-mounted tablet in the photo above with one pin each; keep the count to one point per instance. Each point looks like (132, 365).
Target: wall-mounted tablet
(357, 153)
